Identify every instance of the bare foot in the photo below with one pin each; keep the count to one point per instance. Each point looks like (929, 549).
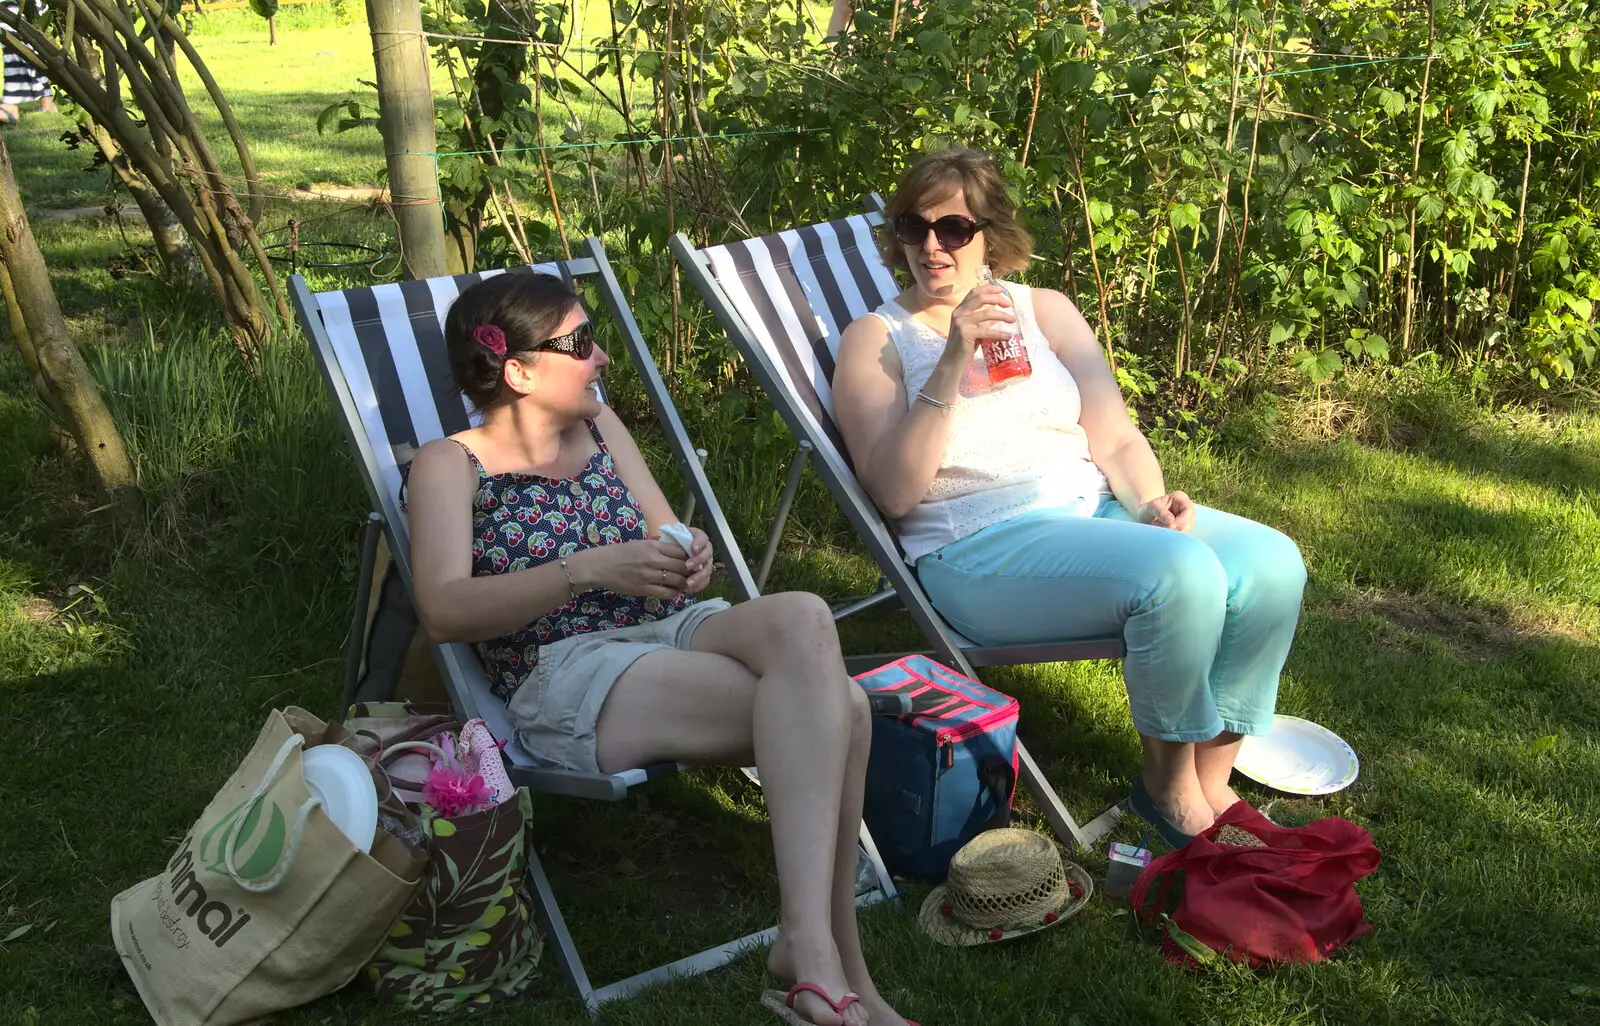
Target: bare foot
(1185, 808)
(878, 1011)
(1220, 798)
(820, 966)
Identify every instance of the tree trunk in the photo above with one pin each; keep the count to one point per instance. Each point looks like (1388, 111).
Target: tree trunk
(60, 365)
(24, 342)
(172, 243)
(405, 104)
(168, 147)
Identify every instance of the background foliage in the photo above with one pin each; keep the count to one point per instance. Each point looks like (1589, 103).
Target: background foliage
(1227, 188)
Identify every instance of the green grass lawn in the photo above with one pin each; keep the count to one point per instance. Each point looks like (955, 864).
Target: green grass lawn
(1450, 633)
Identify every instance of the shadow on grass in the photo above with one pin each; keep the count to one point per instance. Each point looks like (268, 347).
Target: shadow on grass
(679, 867)
(1565, 466)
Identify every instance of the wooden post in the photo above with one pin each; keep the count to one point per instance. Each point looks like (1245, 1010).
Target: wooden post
(50, 352)
(405, 105)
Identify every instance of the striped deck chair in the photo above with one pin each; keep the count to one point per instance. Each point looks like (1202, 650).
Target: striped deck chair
(784, 300)
(381, 352)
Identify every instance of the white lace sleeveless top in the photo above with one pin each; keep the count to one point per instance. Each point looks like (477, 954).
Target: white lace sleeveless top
(1011, 450)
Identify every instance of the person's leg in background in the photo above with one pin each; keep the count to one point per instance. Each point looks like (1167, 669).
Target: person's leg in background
(23, 83)
(843, 14)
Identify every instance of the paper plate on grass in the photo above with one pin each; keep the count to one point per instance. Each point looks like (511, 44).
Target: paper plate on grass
(1299, 757)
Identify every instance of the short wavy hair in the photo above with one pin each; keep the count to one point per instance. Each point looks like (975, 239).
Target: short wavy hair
(1007, 244)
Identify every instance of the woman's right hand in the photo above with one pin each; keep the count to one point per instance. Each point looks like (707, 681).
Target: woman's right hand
(985, 313)
(650, 567)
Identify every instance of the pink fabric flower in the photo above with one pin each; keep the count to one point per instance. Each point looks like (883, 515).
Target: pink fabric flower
(491, 338)
(453, 792)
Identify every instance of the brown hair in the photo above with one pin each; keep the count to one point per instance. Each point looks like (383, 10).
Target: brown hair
(1008, 245)
(527, 308)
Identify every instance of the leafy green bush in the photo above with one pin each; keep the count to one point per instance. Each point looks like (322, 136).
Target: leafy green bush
(1221, 182)
(1226, 188)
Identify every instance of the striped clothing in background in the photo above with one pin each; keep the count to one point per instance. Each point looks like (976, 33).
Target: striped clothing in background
(23, 83)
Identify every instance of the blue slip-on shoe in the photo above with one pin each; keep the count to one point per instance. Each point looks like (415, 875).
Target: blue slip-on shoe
(1139, 801)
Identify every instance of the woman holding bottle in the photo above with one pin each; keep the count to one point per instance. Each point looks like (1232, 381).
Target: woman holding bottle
(983, 420)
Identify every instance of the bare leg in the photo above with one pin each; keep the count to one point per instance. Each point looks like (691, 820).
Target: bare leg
(1213, 765)
(845, 933)
(843, 14)
(10, 113)
(767, 678)
(1169, 774)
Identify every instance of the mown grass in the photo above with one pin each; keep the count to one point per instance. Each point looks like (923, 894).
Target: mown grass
(1450, 633)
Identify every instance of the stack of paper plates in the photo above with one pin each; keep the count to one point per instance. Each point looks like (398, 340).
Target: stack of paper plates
(339, 777)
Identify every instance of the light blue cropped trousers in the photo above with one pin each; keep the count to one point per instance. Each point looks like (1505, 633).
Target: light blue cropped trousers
(1207, 616)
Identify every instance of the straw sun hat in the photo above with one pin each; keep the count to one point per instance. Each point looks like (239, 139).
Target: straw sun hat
(1003, 884)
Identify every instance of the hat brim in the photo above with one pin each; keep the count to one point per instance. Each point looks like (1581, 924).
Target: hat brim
(951, 931)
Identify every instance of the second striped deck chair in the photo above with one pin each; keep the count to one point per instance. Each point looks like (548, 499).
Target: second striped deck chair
(382, 354)
(784, 299)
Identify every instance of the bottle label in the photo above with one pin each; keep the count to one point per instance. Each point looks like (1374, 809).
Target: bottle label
(1001, 350)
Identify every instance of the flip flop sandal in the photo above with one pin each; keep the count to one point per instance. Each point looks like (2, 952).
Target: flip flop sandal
(782, 1005)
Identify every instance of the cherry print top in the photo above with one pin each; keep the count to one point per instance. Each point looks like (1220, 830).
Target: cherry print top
(523, 520)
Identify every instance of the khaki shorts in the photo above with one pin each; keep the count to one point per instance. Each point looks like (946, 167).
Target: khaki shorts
(556, 709)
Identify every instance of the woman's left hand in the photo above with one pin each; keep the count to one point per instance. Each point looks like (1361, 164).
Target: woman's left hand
(697, 565)
(1174, 510)
(699, 562)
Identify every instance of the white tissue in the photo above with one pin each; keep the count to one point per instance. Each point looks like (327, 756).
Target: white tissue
(680, 534)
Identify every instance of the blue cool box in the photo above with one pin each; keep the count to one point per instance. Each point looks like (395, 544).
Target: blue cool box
(941, 772)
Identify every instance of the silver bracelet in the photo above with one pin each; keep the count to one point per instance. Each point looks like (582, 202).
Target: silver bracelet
(924, 397)
(572, 589)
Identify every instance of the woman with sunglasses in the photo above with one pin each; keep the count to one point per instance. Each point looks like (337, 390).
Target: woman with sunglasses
(536, 536)
(1037, 512)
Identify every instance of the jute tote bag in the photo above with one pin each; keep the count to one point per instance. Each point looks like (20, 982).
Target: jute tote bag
(266, 904)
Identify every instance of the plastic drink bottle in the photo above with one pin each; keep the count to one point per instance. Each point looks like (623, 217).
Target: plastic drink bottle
(1006, 358)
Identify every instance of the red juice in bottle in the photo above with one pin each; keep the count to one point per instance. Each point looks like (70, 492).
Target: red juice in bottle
(1006, 358)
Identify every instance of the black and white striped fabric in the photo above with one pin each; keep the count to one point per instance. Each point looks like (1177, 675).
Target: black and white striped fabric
(388, 342)
(797, 291)
(23, 82)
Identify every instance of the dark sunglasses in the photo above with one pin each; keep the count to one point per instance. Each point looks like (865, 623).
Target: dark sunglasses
(577, 343)
(952, 230)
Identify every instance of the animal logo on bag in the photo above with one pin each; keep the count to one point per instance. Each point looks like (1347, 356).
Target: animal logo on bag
(185, 897)
(188, 899)
(267, 850)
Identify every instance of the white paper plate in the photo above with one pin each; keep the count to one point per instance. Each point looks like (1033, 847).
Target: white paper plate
(343, 782)
(1299, 757)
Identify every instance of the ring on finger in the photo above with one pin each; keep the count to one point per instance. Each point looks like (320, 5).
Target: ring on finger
(663, 576)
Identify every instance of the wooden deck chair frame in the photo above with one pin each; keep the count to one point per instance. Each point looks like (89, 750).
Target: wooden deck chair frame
(381, 352)
(783, 300)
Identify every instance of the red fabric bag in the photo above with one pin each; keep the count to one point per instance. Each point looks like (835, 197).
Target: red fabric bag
(1292, 899)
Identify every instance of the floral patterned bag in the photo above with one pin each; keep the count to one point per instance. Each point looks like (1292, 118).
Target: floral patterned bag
(468, 938)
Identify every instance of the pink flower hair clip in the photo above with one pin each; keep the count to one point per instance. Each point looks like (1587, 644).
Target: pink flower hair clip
(491, 338)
